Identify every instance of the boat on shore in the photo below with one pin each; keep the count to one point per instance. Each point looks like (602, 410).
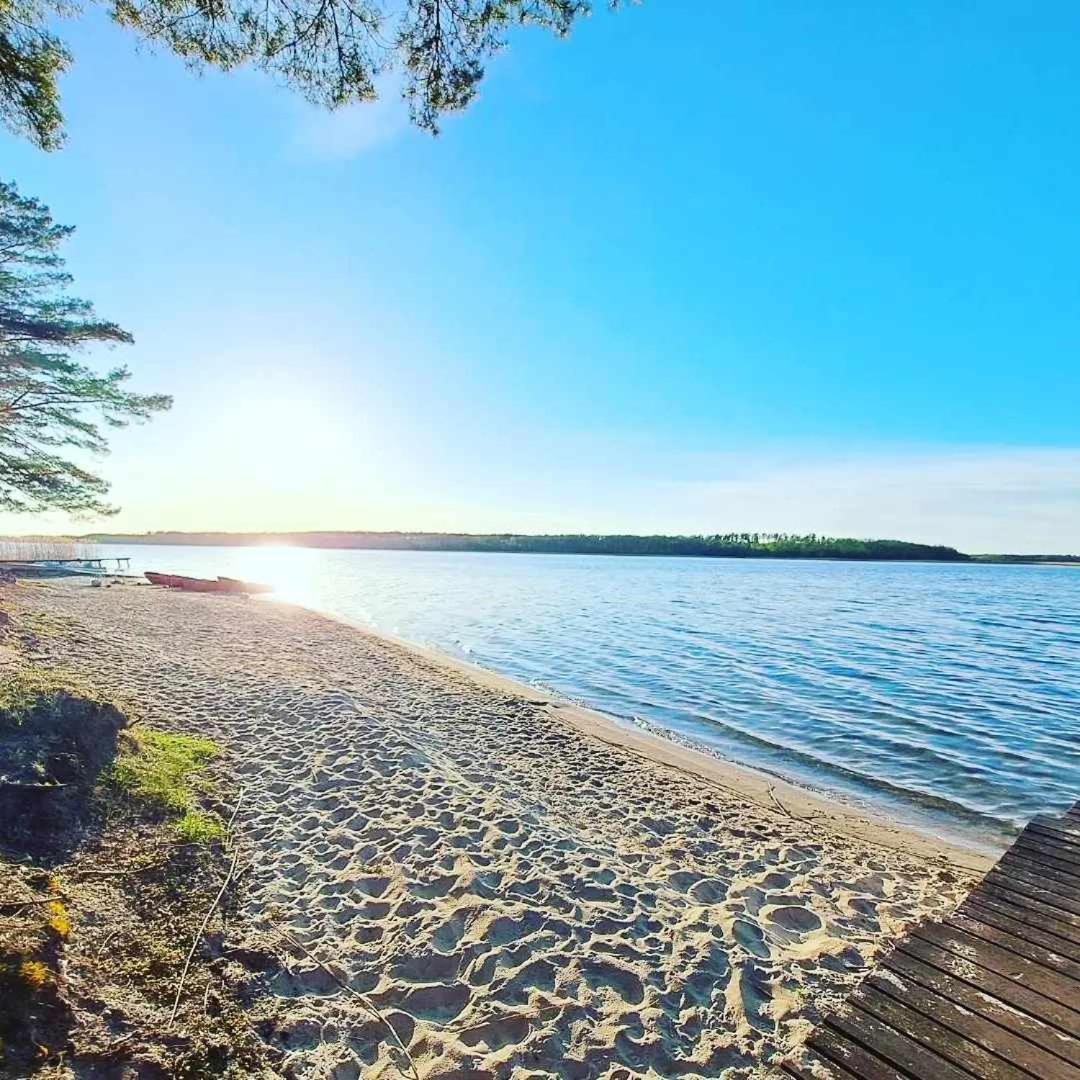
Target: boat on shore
(81, 567)
(219, 584)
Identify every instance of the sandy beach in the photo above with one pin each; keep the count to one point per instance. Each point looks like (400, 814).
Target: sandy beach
(520, 887)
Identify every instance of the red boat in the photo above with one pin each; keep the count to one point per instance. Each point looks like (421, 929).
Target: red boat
(231, 584)
(192, 584)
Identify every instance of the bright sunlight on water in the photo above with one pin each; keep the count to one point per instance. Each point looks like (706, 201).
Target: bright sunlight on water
(947, 694)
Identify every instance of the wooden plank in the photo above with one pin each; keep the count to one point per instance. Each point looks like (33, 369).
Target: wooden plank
(935, 1037)
(1030, 929)
(1001, 985)
(1033, 881)
(1040, 858)
(1052, 832)
(1037, 848)
(1064, 827)
(992, 992)
(1069, 825)
(1053, 835)
(1032, 887)
(1036, 834)
(1011, 894)
(988, 898)
(816, 1067)
(1065, 874)
(1059, 880)
(1005, 939)
(904, 1054)
(979, 998)
(1066, 820)
(991, 1042)
(846, 1054)
(1067, 895)
(976, 950)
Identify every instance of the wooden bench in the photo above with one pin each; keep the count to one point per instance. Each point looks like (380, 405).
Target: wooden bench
(992, 991)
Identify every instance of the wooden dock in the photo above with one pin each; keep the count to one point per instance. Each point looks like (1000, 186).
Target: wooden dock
(992, 991)
(96, 560)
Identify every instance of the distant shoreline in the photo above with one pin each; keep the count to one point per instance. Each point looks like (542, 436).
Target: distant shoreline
(726, 546)
(729, 545)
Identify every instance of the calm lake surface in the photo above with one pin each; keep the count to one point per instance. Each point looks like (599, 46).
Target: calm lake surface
(947, 695)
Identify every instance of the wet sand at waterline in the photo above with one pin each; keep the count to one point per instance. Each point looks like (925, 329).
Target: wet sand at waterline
(519, 887)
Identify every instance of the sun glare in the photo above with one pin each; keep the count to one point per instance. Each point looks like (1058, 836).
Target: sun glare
(290, 571)
(287, 439)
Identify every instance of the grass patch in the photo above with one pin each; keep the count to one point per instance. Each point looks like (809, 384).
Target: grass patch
(196, 827)
(29, 688)
(162, 771)
(43, 625)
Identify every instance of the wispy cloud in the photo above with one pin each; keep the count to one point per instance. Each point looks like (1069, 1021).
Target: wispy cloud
(987, 499)
(980, 499)
(354, 129)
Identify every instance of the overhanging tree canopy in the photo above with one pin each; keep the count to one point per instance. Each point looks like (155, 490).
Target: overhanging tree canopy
(51, 405)
(332, 51)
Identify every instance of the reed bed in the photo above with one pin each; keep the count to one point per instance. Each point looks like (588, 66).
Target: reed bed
(30, 548)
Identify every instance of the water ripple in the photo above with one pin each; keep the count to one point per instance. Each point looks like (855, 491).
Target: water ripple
(949, 694)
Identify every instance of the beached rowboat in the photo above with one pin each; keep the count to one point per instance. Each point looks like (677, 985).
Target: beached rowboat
(192, 584)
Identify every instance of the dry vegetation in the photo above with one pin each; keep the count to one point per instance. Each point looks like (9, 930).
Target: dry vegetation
(45, 547)
(113, 849)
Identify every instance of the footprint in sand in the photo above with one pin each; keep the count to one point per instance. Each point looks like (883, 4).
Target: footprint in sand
(775, 881)
(683, 880)
(708, 891)
(426, 967)
(495, 1034)
(801, 920)
(599, 974)
(750, 937)
(447, 937)
(310, 982)
(511, 898)
(437, 1001)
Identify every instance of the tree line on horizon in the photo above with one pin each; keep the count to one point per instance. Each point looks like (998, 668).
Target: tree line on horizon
(719, 545)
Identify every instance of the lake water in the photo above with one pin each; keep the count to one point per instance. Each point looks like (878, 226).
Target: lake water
(947, 695)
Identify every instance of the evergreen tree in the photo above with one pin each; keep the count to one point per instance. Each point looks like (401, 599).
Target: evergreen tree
(331, 51)
(52, 406)
(31, 60)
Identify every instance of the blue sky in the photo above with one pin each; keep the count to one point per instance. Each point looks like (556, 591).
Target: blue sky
(806, 266)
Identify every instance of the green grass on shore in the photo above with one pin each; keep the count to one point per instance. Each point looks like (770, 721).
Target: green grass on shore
(29, 687)
(162, 771)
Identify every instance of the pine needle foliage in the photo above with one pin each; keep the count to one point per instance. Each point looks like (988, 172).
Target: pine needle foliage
(53, 408)
(31, 61)
(331, 51)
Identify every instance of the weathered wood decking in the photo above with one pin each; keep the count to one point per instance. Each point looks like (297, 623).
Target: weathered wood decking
(993, 991)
